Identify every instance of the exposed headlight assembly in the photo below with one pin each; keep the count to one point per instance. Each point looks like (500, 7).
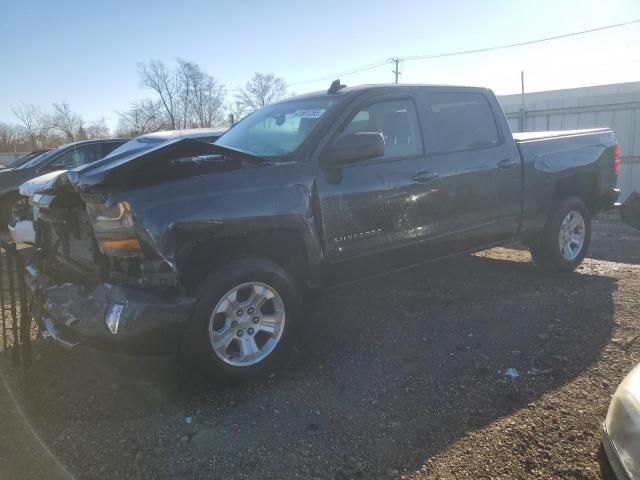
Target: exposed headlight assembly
(623, 424)
(114, 229)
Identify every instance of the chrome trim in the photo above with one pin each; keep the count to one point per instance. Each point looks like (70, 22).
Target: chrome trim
(612, 455)
(52, 331)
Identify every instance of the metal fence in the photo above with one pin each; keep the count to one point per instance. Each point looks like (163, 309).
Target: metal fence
(15, 314)
(616, 106)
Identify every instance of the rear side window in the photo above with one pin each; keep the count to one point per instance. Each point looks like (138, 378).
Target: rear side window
(461, 121)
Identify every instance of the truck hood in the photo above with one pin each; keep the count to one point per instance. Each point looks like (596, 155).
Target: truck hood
(168, 161)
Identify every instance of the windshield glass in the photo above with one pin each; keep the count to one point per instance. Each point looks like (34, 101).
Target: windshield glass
(136, 145)
(40, 158)
(277, 130)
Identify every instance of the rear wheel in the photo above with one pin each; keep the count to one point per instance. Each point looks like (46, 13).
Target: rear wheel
(565, 240)
(244, 319)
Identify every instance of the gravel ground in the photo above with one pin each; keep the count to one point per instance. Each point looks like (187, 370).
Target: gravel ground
(402, 376)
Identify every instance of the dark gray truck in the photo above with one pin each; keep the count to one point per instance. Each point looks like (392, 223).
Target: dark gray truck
(213, 250)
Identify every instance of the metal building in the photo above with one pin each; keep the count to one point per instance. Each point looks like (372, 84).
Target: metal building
(616, 106)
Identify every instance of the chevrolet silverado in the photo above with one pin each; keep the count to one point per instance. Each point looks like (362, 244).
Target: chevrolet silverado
(212, 250)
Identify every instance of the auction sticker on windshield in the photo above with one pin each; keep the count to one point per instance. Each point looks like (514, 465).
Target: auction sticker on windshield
(314, 113)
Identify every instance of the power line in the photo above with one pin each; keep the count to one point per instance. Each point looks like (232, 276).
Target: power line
(519, 44)
(455, 53)
(344, 73)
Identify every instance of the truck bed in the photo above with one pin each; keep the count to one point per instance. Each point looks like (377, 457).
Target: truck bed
(523, 137)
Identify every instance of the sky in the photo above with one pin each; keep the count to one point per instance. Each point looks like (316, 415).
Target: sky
(86, 52)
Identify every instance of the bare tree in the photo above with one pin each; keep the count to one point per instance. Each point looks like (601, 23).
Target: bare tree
(34, 122)
(10, 137)
(98, 129)
(202, 97)
(67, 122)
(189, 75)
(144, 116)
(263, 89)
(157, 77)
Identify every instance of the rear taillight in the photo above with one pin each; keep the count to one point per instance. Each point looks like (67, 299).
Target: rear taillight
(616, 159)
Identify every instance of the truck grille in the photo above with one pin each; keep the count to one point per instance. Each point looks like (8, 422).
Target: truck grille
(66, 242)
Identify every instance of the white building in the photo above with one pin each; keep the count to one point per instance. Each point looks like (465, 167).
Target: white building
(616, 106)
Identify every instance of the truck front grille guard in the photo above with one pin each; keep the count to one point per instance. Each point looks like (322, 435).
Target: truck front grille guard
(15, 314)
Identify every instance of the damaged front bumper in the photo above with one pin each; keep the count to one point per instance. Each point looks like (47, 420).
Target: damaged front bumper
(110, 318)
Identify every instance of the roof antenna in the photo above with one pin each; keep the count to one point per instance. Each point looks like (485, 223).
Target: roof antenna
(335, 87)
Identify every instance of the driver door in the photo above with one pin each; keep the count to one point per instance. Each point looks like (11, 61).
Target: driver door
(371, 205)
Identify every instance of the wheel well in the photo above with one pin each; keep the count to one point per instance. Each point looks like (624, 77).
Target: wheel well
(581, 186)
(283, 246)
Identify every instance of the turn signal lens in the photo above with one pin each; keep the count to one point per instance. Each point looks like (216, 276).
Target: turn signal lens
(616, 159)
(125, 247)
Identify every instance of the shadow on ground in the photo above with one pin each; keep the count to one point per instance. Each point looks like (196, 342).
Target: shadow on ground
(387, 373)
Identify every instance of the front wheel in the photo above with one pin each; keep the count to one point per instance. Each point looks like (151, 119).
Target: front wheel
(244, 319)
(565, 240)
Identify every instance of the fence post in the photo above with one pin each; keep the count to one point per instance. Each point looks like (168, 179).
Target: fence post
(4, 322)
(25, 314)
(15, 354)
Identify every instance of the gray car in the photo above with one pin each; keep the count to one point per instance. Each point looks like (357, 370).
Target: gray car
(64, 157)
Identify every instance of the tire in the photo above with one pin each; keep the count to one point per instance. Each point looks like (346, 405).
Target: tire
(234, 326)
(548, 253)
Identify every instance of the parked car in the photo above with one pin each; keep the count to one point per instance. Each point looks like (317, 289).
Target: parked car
(21, 223)
(25, 158)
(213, 249)
(67, 156)
(622, 428)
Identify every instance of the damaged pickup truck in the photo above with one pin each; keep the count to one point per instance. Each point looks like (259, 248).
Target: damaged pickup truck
(212, 250)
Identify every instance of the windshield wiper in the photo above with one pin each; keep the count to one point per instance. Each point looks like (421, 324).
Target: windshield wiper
(244, 155)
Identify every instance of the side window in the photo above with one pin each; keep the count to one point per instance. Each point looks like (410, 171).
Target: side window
(107, 148)
(461, 121)
(398, 123)
(77, 157)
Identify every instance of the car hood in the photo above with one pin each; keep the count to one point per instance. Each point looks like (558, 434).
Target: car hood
(30, 187)
(169, 160)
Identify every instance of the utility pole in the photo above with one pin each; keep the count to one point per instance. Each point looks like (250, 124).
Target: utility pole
(397, 72)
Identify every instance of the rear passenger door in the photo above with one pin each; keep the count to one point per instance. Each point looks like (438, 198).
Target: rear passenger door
(475, 195)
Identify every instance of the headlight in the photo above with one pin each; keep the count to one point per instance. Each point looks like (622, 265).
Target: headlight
(113, 228)
(623, 423)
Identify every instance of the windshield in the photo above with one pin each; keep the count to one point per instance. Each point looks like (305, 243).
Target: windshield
(24, 159)
(40, 159)
(277, 130)
(137, 145)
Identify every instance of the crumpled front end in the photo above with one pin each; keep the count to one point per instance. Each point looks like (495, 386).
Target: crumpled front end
(102, 288)
(109, 317)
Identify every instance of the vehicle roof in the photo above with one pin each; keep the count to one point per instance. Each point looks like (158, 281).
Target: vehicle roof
(187, 133)
(386, 86)
(84, 142)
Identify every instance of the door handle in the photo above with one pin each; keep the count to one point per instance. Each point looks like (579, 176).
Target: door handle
(424, 177)
(507, 163)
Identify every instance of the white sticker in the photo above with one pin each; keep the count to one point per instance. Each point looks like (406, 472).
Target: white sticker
(315, 113)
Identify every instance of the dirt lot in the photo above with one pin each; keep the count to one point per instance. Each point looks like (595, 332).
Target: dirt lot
(396, 377)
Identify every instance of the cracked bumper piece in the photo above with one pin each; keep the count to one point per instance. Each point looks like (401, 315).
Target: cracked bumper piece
(111, 318)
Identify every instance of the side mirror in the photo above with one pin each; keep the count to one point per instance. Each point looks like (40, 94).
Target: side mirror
(355, 147)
